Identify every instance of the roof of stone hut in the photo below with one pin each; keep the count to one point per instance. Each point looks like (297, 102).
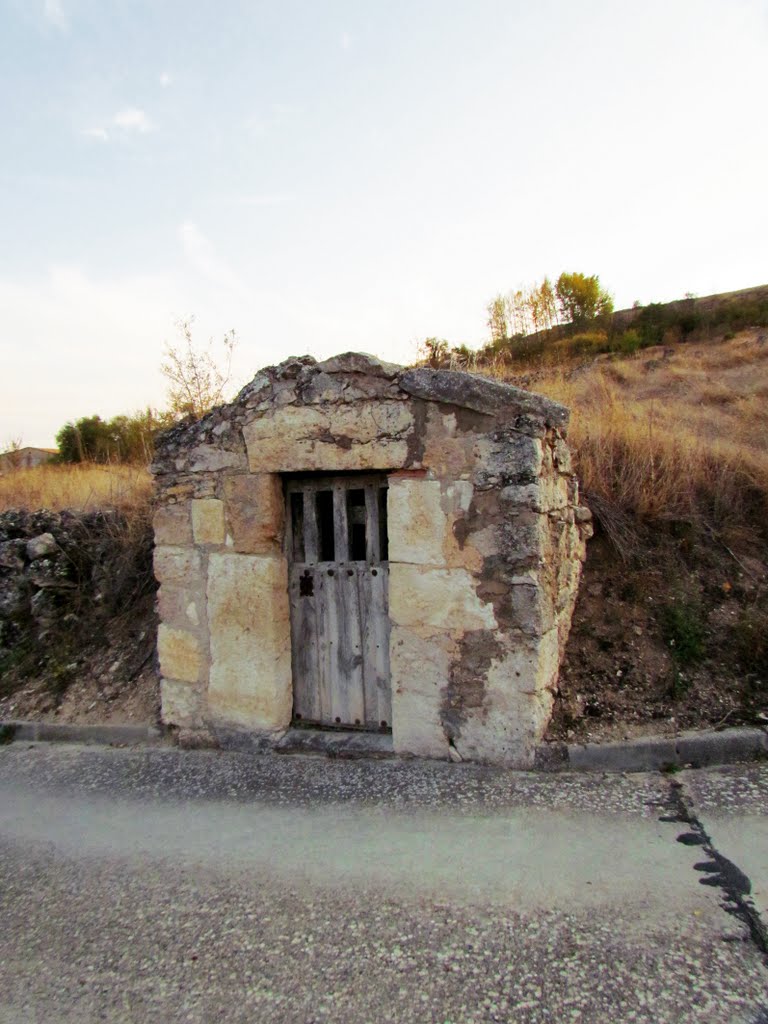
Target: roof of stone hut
(357, 376)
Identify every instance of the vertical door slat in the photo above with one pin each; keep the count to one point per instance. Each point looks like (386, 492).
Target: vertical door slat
(310, 527)
(326, 654)
(375, 638)
(340, 527)
(349, 705)
(371, 525)
(306, 694)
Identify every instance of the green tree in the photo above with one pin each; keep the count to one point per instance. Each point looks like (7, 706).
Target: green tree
(497, 319)
(121, 439)
(85, 440)
(581, 299)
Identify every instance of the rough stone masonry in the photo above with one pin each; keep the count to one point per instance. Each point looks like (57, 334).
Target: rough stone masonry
(485, 534)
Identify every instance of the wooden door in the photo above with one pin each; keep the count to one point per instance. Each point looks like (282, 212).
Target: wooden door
(337, 547)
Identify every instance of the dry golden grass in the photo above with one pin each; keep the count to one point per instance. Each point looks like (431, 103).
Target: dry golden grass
(674, 434)
(81, 486)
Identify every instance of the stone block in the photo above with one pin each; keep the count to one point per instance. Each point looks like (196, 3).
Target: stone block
(420, 670)
(255, 512)
(333, 438)
(448, 453)
(441, 599)
(359, 362)
(208, 521)
(249, 625)
(418, 527)
(481, 394)
(516, 707)
(207, 458)
(180, 654)
(421, 519)
(180, 607)
(172, 524)
(176, 565)
(182, 703)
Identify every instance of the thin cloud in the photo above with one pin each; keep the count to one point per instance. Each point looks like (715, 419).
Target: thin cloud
(202, 255)
(346, 40)
(55, 15)
(101, 134)
(165, 79)
(132, 119)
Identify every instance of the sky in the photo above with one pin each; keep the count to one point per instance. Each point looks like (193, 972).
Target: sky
(327, 176)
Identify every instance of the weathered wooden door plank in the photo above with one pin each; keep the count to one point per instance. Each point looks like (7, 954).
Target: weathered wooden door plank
(310, 527)
(340, 524)
(349, 700)
(327, 625)
(375, 640)
(371, 525)
(304, 632)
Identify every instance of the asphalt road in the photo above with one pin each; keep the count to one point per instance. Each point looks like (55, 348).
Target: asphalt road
(152, 885)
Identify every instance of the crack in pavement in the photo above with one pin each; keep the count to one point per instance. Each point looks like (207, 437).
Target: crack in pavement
(721, 872)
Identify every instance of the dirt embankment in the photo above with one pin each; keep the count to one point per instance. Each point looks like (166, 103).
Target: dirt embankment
(77, 623)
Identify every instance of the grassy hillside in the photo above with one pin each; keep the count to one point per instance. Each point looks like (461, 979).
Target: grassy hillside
(75, 486)
(671, 627)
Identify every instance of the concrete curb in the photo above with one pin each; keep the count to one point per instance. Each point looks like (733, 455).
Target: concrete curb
(652, 753)
(65, 732)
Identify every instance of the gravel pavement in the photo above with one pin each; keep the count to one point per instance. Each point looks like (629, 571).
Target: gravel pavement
(154, 885)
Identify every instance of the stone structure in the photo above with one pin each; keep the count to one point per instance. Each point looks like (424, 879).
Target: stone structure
(485, 542)
(25, 458)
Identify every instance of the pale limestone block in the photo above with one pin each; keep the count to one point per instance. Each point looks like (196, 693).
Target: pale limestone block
(255, 512)
(420, 671)
(179, 606)
(208, 521)
(206, 458)
(172, 524)
(516, 708)
(182, 704)
(249, 626)
(333, 438)
(418, 527)
(180, 653)
(421, 514)
(440, 598)
(177, 565)
(448, 454)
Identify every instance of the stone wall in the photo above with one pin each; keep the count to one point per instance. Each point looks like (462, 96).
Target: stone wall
(486, 538)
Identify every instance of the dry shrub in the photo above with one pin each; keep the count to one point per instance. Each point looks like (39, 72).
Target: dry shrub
(668, 444)
(80, 486)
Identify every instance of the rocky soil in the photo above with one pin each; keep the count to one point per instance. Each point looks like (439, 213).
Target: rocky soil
(674, 638)
(77, 624)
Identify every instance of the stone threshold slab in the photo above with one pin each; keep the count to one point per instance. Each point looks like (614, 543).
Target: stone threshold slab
(336, 743)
